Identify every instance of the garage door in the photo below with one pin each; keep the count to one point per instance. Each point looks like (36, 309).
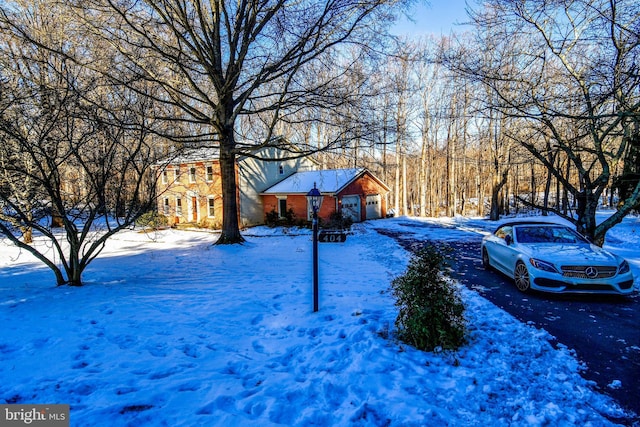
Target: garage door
(351, 208)
(374, 206)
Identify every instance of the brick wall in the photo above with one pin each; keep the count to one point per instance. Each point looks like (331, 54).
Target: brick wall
(298, 203)
(365, 186)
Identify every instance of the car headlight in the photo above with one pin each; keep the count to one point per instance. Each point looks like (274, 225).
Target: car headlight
(624, 267)
(543, 265)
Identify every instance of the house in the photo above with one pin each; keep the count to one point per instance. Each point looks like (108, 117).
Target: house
(190, 187)
(356, 193)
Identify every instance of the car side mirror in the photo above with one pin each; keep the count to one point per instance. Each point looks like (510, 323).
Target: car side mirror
(508, 239)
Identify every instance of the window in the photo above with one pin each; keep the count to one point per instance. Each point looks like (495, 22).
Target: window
(211, 207)
(177, 173)
(281, 169)
(192, 174)
(165, 206)
(178, 206)
(165, 176)
(209, 173)
(282, 207)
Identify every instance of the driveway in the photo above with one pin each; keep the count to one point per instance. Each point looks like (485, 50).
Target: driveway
(603, 331)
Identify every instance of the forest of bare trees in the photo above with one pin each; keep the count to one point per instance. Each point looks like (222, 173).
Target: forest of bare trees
(534, 105)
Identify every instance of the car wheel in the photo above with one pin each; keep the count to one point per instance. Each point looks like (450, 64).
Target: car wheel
(521, 277)
(485, 259)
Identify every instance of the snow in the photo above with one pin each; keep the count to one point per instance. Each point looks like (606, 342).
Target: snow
(173, 331)
(328, 181)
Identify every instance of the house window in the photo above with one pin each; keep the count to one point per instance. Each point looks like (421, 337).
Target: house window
(281, 169)
(165, 176)
(192, 174)
(178, 206)
(165, 206)
(282, 207)
(211, 207)
(177, 173)
(209, 173)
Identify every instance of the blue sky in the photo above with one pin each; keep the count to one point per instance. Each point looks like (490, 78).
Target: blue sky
(438, 17)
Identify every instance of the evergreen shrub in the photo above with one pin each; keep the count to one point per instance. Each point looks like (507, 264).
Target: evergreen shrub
(337, 222)
(273, 219)
(431, 312)
(152, 219)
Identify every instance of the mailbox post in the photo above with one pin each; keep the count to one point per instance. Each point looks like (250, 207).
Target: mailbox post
(314, 199)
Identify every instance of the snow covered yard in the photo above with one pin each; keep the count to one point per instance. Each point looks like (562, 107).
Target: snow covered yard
(170, 330)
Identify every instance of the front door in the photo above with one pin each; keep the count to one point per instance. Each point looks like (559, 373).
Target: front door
(194, 208)
(282, 208)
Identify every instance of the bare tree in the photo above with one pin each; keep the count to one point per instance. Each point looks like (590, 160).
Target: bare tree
(428, 74)
(218, 61)
(567, 71)
(75, 151)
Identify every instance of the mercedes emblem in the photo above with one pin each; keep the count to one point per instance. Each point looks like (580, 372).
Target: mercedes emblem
(591, 272)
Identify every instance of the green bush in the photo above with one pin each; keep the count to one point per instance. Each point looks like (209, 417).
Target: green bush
(431, 313)
(337, 222)
(273, 219)
(152, 219)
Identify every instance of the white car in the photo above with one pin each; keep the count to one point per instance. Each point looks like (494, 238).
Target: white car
(554, 258)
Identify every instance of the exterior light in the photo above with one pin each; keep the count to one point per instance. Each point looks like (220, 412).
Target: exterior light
(314, 198)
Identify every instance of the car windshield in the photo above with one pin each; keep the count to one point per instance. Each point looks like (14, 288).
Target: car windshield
(546, 234)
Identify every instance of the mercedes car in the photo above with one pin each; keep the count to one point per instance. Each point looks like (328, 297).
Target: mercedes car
(552, 257)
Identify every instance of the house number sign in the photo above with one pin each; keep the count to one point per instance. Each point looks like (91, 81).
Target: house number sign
(332, 237)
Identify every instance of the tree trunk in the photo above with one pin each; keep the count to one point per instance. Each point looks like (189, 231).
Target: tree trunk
(494, 214)
(230, 225)
(405, 204)
(422, 176)
(506, 194)
(56, 218)
(396, 202)
(586, 221)
(547, 185)
(533, 184)
(75, 274)
(565, 192)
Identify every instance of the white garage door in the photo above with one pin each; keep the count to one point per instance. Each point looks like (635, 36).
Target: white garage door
(351, 207)
(374, 207)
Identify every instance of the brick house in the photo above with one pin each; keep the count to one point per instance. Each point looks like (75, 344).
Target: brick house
(357, 193)
(190, 187)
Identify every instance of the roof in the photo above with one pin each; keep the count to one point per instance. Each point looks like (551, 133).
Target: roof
(328, 181)
(211, 153)
(196, 155)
